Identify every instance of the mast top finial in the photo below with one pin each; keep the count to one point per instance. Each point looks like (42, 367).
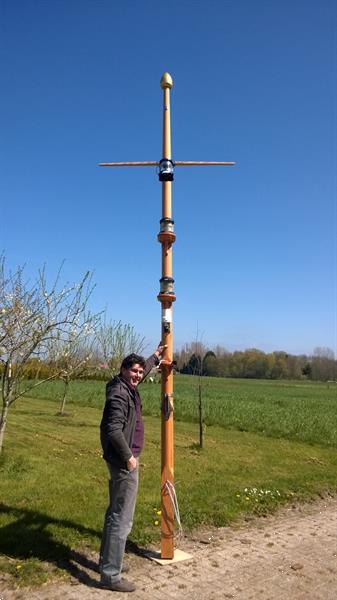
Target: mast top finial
(166, 81)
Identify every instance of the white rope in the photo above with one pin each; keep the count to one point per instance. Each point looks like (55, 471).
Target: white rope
(168, 485)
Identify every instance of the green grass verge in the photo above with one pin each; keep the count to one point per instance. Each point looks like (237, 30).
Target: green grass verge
(54, 483)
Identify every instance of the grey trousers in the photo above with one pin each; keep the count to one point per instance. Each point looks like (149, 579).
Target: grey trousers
(118, 520)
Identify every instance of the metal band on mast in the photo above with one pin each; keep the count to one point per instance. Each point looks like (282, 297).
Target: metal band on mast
(166, 297)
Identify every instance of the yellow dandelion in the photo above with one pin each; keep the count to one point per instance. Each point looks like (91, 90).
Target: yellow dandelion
(158, 513)
(156, 522)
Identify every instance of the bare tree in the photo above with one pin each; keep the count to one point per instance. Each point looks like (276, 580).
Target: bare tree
(32, 318)
(115, 340)
(187, 356)
(70, 356)
(323, 364)
(199, 353)
(196, 352)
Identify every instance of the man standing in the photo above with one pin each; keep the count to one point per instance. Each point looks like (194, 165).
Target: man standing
(122, 438)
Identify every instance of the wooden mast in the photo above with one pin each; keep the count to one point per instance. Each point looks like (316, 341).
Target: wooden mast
(166, 297)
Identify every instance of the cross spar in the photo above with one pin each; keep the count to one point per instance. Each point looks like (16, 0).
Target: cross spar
(166, 297)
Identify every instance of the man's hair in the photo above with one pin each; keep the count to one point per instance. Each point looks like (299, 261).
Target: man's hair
(133, 359)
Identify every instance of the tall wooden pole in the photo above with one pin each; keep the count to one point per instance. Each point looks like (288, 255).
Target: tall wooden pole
(167, 297)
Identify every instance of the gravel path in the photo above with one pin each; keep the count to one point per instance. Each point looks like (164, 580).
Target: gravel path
(292, 555)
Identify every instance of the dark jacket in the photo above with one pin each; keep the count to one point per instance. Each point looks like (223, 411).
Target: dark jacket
(119, 418)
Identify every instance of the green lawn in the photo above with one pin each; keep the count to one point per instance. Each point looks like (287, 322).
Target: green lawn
(54, 481)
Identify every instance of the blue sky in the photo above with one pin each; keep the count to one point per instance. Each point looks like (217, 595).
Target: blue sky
(255, 257)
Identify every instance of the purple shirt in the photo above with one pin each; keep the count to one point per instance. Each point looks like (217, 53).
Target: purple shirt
(138, 438)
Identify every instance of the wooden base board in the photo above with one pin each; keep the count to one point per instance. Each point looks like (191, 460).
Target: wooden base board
(179, 555)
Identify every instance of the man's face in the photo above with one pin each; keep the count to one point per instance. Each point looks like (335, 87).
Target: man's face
(133, 375)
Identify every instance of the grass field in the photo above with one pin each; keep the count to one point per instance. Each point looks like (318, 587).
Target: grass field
(298, 410)
(266, 443)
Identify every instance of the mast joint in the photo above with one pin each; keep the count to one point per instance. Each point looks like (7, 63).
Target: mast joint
(166, 169)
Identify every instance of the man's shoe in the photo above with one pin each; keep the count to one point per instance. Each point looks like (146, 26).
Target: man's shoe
(119, 586)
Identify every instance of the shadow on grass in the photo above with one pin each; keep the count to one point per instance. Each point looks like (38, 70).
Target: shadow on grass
(27, 537)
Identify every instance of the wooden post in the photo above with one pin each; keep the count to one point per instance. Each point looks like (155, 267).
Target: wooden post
(166, 297)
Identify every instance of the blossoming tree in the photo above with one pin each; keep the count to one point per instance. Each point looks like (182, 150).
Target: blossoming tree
(114, 340)
(33, 317)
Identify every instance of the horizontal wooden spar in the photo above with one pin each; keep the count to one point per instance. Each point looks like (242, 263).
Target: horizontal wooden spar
(176, 163)
(200, 163)
(131, 164)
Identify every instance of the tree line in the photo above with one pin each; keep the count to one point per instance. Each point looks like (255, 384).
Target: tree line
(196, 359)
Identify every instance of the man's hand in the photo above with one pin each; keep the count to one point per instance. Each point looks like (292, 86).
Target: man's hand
(132, 463)
(160, 349)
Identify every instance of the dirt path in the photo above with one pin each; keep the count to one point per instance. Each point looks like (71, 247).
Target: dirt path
(292, 555)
